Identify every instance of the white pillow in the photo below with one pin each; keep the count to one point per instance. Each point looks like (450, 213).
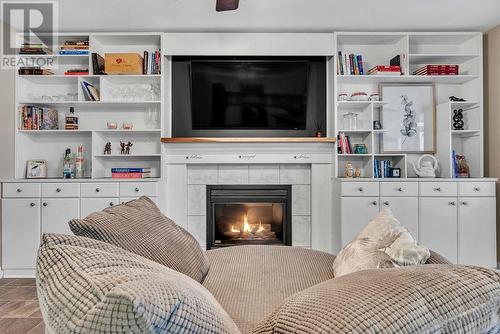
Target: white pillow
(383, 243)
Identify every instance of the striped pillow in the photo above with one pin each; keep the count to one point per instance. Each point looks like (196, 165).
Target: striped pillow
(139, 227)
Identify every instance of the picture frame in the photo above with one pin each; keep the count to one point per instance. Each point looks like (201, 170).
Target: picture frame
(395, 173)
(409, 118)
(36, 169)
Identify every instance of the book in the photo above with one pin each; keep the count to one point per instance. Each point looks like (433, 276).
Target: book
(73, 52)
(437, 70)
(76, 73)
(130, 170)
(34, 71)
(97, 64)
(385, 70)
(49, 119)
(130, 175)
(145, 64)
(90, 91)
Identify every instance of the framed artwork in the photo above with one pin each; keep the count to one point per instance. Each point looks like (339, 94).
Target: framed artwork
(36, 169)
(409, 118)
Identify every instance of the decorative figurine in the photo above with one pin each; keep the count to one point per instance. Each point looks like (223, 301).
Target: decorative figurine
(348, 170)
(107, 148)
(357, 172)
(463, 167)
(127, 126)
(122, 145)
(427, 168)
(458, 119)
(112, 125)
(127, 147)
(377, 125)
(457, 99)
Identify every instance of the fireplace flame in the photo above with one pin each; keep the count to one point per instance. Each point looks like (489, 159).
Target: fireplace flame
(245, 230)
(246, 225)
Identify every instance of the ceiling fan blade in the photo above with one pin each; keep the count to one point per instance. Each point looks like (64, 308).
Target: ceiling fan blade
(224, 5)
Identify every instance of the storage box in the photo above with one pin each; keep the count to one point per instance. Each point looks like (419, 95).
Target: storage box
(123, 63)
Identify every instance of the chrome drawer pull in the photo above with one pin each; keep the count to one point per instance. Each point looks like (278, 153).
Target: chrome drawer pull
(374, 203)
(386, 203)
(360, 189)
(477, 188)
(452, 203)
(400, 189)
(58, 190)
(136, 190)
(437, 189)
(111, 204)
(464, 203)
(45, 204)
(32, 204)
(19, 190)
(97, 190)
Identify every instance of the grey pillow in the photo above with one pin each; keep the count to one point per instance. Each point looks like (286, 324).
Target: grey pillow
(139, 227)
(414, 299)
(88, 286)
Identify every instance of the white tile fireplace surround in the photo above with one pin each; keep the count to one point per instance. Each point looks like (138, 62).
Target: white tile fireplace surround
(308, 168)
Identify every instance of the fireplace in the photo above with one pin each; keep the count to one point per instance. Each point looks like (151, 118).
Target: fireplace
(248, 215)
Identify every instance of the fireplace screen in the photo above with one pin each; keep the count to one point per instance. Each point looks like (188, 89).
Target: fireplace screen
(239, 215)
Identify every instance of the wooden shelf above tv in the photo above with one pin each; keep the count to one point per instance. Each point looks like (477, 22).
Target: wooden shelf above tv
(249, 140)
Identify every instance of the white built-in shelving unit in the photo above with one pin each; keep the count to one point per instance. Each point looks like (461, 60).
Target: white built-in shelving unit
(118, 103)
(463, 49)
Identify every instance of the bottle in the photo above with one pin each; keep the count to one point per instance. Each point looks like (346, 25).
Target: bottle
(79, 163)
(71, 120)
(67, 164)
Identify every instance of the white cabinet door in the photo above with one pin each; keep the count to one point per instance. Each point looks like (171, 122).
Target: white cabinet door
(405, 209)
(57, 212)
(476, 232)
(20, 233)
(356, 213)
(90, 205)
(439, 226)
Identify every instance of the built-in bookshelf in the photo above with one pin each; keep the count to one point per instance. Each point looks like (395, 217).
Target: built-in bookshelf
(463, 49)
(123, 99)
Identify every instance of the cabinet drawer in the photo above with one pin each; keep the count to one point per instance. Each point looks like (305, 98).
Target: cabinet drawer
(479, 189)
(100, 190)
(124, 200)
(21, 190)
(90, 205)
(359, 188)
(61, 190)
(438, 189)
(399, 189)
(136, 189)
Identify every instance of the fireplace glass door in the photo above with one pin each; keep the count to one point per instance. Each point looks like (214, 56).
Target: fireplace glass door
(246, 215)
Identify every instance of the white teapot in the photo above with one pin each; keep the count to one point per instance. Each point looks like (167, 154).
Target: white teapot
(426, 168)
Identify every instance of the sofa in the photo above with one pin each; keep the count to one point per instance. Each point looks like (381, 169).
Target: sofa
(92, 283)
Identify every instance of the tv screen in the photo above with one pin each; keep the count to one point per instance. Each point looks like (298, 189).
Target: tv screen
(245, 94)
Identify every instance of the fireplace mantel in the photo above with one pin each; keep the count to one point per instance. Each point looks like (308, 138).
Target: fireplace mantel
(249, 140)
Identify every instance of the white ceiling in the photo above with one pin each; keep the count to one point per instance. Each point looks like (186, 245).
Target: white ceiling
(279, 15)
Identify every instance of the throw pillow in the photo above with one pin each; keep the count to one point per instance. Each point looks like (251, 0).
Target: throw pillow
(383, 243)
(88, 286)
(139, 227)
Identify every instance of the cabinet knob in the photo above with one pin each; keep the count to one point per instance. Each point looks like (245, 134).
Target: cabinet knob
(58, 190)
(437, 189)
(360, 189)
(19, 190)
(374, 203)
(136, 190)
(45, 204)
(452, 203)
(477, 188)
(400, 189)
(32, 204)
(97, 190)
(464, 203)
(111, 204)
(386, 203)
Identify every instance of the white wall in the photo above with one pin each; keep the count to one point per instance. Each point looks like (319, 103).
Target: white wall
(7, 115)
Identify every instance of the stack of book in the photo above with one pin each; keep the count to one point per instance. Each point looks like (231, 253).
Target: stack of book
(350, 64)
(90, 92)
(33, 49)
(130, 173)
(77, 71)
(437, 70)
(74, 48)
(344, 144)
(385, 70)
(37, 118)
(35, 71)
(382, 169)
(152, 61)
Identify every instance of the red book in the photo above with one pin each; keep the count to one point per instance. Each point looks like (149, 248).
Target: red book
(126, 175)
(76, 73)
(382, 68)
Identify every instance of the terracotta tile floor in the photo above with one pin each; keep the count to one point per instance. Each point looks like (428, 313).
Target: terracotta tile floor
(19, 311)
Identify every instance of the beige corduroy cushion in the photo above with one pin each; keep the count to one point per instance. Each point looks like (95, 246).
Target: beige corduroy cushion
(88, 286)
(139, 227)
(416, 299)
(251, 281)
(382, 243)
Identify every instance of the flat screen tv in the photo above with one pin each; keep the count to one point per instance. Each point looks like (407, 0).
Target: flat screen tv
(248, 97)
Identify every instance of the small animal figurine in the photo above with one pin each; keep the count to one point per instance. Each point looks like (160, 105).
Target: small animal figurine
(348, 170)
(357, 172)
(127, 147)
(107, 148)
(427, 168)
(122, 145)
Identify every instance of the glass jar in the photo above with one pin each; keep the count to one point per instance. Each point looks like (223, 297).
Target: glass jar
(350, 121)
